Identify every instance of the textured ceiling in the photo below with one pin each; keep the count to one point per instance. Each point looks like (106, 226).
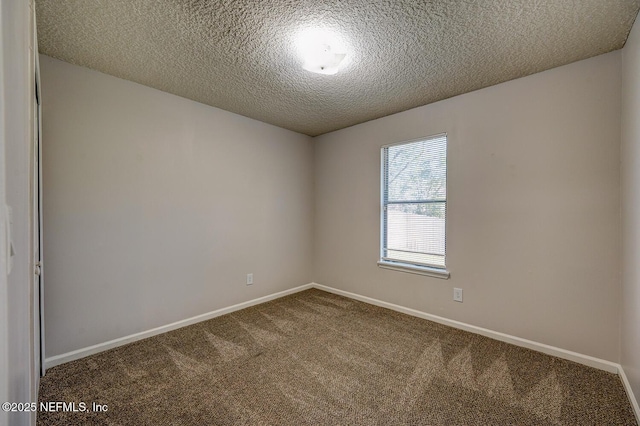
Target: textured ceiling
(241, 55)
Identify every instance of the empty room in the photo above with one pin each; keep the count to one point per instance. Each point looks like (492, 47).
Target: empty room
(319, 213)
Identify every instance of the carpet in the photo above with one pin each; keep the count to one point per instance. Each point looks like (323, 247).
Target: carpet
(315, 358)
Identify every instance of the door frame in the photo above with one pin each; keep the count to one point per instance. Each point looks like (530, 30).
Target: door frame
(39, 367)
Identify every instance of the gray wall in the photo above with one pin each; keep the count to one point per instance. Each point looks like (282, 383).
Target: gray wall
(533, 231)
(630, 356)
(151, 199)
(156, 207)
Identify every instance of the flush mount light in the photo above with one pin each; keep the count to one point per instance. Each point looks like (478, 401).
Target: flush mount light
(321, 51)
(323, 60)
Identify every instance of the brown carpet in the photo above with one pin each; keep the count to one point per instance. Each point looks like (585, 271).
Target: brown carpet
(314, 358)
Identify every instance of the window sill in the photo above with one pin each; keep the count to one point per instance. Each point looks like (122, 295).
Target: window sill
(414, 269)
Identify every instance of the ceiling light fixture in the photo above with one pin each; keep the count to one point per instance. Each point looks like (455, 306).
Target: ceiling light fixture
(321, 51)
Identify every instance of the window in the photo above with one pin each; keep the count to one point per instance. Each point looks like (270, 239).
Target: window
(414, 206)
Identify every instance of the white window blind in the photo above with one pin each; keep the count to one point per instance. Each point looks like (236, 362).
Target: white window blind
(414, 202)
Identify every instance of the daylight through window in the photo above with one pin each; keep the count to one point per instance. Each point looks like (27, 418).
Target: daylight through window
(414, 202)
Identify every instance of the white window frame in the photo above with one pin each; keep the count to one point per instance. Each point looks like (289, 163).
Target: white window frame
(409, 267)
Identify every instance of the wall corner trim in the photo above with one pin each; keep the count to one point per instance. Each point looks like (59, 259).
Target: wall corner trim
(630, 395)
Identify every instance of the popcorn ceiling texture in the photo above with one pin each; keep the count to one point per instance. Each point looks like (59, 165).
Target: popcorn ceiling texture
(240, 55)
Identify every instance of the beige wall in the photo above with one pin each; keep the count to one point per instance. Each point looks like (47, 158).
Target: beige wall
(630, 353)
(156, 207)
(533, 208)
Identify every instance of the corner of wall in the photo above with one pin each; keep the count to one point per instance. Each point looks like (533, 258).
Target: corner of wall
(630, 210)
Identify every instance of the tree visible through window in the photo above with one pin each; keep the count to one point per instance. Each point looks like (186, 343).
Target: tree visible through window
(414, 202)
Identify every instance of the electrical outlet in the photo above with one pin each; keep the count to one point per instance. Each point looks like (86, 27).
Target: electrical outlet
(249, 279)
(457, 294)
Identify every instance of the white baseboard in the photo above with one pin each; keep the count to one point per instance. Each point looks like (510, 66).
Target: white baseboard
(529, 344)
(100, 347)
(590, 361)
(632, 398)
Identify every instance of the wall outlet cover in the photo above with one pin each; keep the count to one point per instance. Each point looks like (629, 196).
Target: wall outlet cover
(457, 294)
